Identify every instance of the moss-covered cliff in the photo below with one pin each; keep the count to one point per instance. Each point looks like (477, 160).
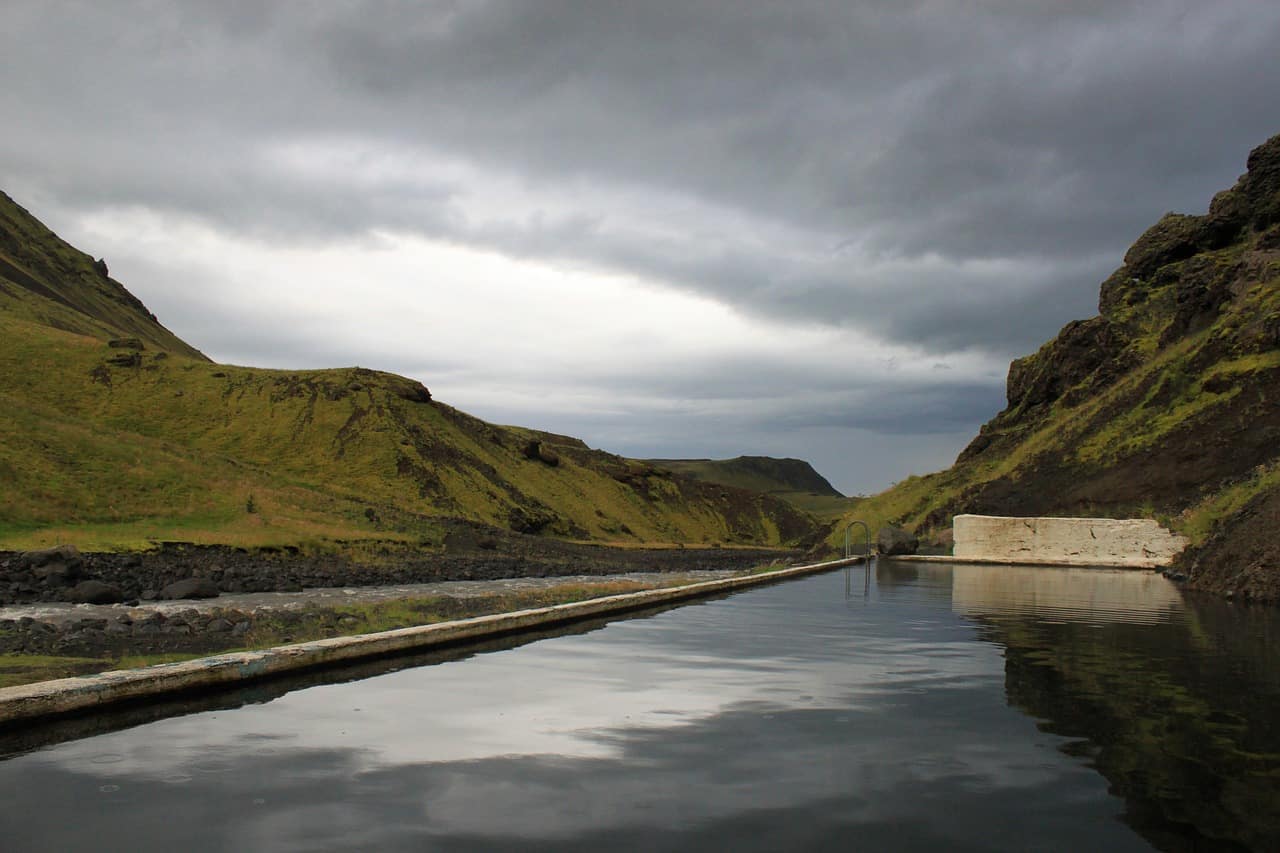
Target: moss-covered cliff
(1163, 405)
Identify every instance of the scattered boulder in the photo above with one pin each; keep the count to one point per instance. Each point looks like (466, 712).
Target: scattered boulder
(944, 540)
(59, 566)
(95, 592)
(1176, 237)
(126, 343)
(530, 519)
(414, 392)
(537, 450)
(893, 541)
(125, 359)
(47, 556)
(190, 588)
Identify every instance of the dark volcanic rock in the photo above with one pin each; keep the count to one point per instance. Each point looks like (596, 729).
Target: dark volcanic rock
(125, 359)
(414, 392)
(1082, 348)
(95, 592)
(59, 566)
(1176, 237)
(68, 554)
(1200, 293)
(126, 343)
(530, 519)
(471, 552)
(191, 588)
(1261, 184)
(537, 450)
(894, 541)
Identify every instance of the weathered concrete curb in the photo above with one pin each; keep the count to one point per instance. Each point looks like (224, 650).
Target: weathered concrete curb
(994, 561)
(30, 702)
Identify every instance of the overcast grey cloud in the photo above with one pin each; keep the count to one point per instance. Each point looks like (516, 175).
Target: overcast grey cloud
(740, 227)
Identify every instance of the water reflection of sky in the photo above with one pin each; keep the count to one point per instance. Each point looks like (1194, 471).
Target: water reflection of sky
(782, 718)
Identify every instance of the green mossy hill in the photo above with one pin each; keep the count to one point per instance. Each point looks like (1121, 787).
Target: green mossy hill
(112, 443)
(1164, 405)
(46, 280)
(792, 480)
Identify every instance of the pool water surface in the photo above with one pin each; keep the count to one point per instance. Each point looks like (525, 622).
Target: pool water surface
(948, 708)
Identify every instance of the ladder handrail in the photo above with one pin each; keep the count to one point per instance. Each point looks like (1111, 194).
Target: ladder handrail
(866, 539)
(848, 553)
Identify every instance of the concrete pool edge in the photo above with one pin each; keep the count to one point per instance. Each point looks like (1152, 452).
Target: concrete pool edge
(48, 699)
(1002, 561)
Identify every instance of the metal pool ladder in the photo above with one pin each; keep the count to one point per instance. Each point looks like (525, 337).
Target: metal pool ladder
(848, 554)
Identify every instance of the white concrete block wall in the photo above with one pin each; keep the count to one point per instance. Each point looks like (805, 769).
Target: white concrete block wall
(1138, 542)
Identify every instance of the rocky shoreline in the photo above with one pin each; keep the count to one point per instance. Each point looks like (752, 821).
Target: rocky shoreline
(137, 592)
(182, 570)
(201, 627)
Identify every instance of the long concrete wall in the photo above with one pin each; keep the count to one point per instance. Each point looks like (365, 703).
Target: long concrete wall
(88, 693)
(1137, 542)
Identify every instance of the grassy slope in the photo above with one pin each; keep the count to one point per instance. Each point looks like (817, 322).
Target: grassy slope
(1163, 406)
(175, 447)
(792, 480)
(48, 281)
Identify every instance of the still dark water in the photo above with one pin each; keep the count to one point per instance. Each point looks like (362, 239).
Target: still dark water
(953, 708)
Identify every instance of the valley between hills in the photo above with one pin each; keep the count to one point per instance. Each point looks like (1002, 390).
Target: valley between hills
(120, 438)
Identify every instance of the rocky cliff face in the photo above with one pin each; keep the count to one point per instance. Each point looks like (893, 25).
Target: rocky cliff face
(1164, 404)
(1179, 281)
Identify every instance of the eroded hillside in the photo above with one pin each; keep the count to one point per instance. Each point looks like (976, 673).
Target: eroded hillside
(117, 433)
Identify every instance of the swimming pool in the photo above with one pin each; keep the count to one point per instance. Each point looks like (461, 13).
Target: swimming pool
(952, 707)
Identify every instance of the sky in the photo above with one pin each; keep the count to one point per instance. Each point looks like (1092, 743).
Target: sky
(673, 229)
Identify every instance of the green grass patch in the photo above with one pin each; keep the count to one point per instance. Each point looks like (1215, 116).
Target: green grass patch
(18, 669)
(1199, 521)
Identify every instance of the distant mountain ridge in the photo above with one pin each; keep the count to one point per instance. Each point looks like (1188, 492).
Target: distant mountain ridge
(758, 473)
(116, 433)
(1166, 404)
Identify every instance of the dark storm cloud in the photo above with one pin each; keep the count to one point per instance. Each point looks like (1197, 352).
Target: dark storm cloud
(959, 130)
